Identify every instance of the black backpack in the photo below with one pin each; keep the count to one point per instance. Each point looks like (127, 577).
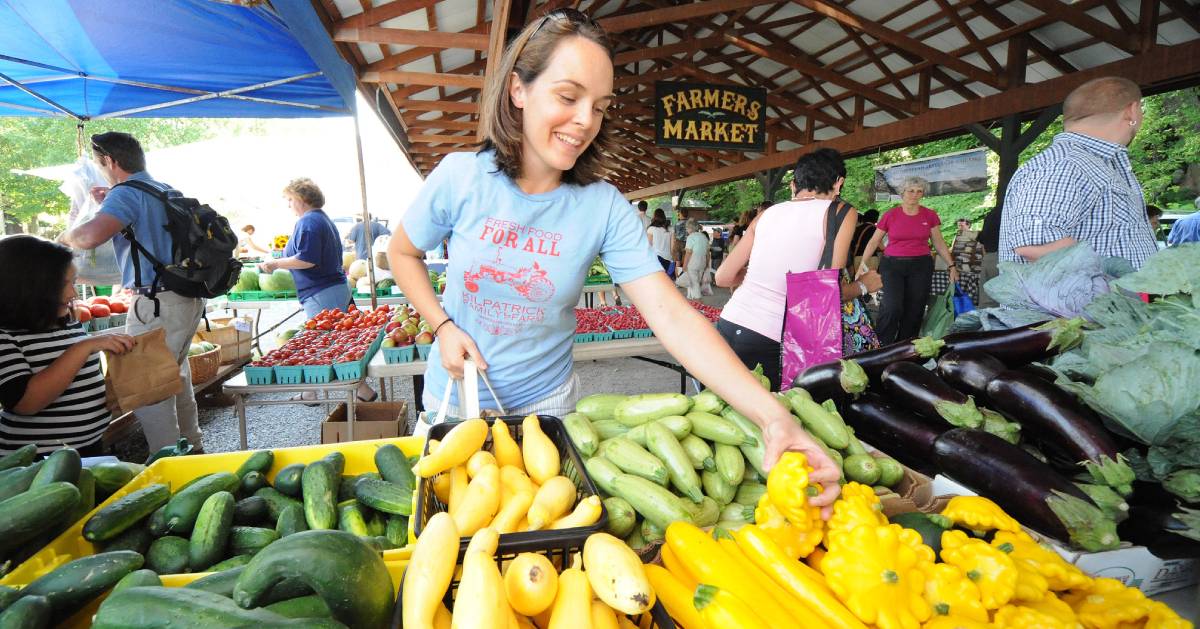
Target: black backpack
(202, 260)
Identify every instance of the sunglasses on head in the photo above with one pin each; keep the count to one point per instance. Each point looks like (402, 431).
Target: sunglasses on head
(571, 16)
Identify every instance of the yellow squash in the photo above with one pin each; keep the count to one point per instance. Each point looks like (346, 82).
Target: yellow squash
(586, 513)
(480, 502)
(504, 447)
(878, 572)
(512, 512)
(675, 596)
(676, 567)
(573, 603)
(616, 574)
(551, 502)
(538, 451)
(801, 614)
(458, 487)
(479, 602)
(441, 618)
(721, 609)
(603, 617)
(478, 461)
(441, 487)
(530, 583)
(456, 448)
(429, 571)
(990, 568)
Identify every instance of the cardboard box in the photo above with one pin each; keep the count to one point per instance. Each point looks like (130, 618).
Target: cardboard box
(372, 420)
(233, 334)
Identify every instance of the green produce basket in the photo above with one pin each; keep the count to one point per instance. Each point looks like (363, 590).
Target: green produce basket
(117, 320)
(259, 375)
(398, 355)
(289, 374)
(99, 323)
(622, 334)
(317, 374)
(357, 369)
(603, 336)
(643, 334)
(423, 351)
(584, 338)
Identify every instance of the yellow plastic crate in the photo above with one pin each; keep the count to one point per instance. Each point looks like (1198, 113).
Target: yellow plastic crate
(175, 471)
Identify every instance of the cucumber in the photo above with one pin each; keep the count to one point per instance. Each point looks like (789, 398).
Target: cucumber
(252, 482)
(62, 466)
(716, 488)
(730, 464)
(824, 425)
(16, 480)
(319, 483)
(652, 501)
(251, 510)
(396, 530)
(652, 532)
(582, 434)
(384, 496)
(125, 512)
(756, 451)
(599, 406)
(639, 409)
(861, 468)
(737, 512)
(146, 607)
(136, 538)
(249, 540)
(706, 512)
(376, 522)
(602, 472)
(679, 426)
(699, 453)
(112, 476)
(291, 521)
(21, 457)
(394, 467)
(749, 493)
(87, 496)
(351, 520)
(74, 584)
(211, 532)
(184, 506)
(337, 460)
(168, 555)
(259, 461)
(379, 543)
(621, 516)
(311, 606)
(7, 596)
(346, 487)
(219, 582)
(138, 578)
(157, 522)
(634, 459)
(930, 526)
(27, 612)
(666, 447)
(228, 564)
(718, 429)
(287, 481)
(609, 428)
(890, 471)
(26, 516)
(276, 501)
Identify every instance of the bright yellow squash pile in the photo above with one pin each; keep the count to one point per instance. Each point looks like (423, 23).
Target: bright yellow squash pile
(791, 568)
(513, 487)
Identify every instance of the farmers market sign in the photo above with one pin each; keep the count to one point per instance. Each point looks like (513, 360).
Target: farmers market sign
(701, 115)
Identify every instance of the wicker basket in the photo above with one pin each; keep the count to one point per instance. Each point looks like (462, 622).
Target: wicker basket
(204, 366)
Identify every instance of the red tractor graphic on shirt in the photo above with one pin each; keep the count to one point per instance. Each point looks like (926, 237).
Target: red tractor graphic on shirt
(531, 283)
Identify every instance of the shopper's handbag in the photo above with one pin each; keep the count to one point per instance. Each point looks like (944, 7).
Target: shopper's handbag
(147, 374)
(962, 301)
(468, 398)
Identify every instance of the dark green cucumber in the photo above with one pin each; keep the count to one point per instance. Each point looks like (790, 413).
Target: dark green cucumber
(21, 457)
(379, 543)
(376, 521)
(384, 496)
(138, 578)
(396, 530)
(337, 460)
(112, 476)
(252, 482)
(25, 516)
(361, 596)
(157, 522)
(393, 466)
(291, 521)
(311, 606)
(351, 520)
(319, 483)
(184, 507)
(7, 596)
(136, 538)
(287, 480)
(17, 480)
(277, 502)
(251, 511)
(74, 584)
(62, 466)
(346, 487)
(146, 607)
(211, 532)
(168, 555)
(87, 496)
(28, 612)
(259, 461)
(218, 582)
(233, 562)
(120, 515)
(248, 540)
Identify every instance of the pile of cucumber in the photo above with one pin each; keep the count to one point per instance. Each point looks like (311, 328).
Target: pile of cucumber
(662, 457)
(39, 500)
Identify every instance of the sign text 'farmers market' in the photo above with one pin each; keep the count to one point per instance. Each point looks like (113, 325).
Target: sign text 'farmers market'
(709, 116)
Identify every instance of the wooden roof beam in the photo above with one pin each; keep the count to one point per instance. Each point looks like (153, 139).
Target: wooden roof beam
(408, 37)
(433, 138)
(391, 62)
(674, 14)
(374, 15)
(442, 124)
(499, 28)
(428, 79)
(443, 106)
(647, 53)
(1186, 12)
(1086, 23)
(969, 35)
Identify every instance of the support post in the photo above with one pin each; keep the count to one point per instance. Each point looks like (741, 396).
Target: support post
(366, 214)
(1009, 145)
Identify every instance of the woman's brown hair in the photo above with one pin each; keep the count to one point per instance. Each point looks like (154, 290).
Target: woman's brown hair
(527, 56)
(307, 191)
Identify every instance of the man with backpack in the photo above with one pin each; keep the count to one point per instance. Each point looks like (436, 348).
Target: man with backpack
(149, 238)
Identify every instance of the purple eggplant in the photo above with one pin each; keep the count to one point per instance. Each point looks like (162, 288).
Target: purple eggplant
(921, 391)
(915, 350)
(834, 380)
(1040, 370)
(1018, 346)
(1160, 531)
(969, 371)
(1064, 426)
(1029, 490)
(894, 430)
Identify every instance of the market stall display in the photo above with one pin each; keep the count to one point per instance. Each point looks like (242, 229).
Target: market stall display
(334, 345)
(101, 312)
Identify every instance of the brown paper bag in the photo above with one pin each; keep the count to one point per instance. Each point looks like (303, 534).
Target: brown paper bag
(145, 375)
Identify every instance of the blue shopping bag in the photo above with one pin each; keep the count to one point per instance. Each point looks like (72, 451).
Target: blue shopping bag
(962, 301)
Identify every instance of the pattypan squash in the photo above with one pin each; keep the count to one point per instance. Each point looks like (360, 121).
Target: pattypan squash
(1108, 604)
(950, 593)
(788, 489)
(879, 573)
(955, 622)
(979, 514)
(795, 541)
(1018, 617)
(991, 569)
(1059, 574)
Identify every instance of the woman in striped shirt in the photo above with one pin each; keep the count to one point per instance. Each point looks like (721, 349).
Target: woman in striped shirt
(51, 386)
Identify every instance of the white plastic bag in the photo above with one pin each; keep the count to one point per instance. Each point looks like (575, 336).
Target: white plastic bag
(97, 267)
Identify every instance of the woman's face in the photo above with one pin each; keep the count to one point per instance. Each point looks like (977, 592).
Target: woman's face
(294, 203)
(913, 194)
(68, 293)
(562, 109)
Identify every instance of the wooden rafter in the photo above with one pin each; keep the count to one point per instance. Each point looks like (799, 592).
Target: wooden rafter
(374, 15)
(1086, 23)
(674, 14)
(430, 79)
(438, 105)
(500, 15)
(410, 37)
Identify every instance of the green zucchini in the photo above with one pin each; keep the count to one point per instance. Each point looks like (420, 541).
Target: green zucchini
(147, 607)
(621, 516)
(716, 487)
(718, 429)
(396, 530)
(16, 480)
(25, 516)
(62, 466)
(220, 581)
(599, 406)
(235, 561)
(125, 512)
(277, 502)
(639, 409)
(311, 606)
(138, 578)
(27, 612)
(251, 510)
(249, 540)
(394, 467)
(708, 402)
(890, 471)
(346, 487)
(861, 468)
(252, 482)
(184, 506)
(136, 538)
(824, 425)
(319, 483)
(74, 584)
(602, 472)
(582, 434)
(337, 460)
(379, 543)
(652, 532)
(706, 512)
(666, 447)
(652, 501)
(157, 522)
(756, 451)
(287, 481)
(21, 457)
(609, 428)
(699, 453)
(290, 521)
(634, 459)
(737, 512)
(87, 496)
(679, 426)
(384, 496)
(259, 461)
(7, 596)
(168, 555)
(359, 595)
(749, 493)
(211, 532)
(112, 476)
(376, 521)
(635, 540)
(730, 463)
(351, 520)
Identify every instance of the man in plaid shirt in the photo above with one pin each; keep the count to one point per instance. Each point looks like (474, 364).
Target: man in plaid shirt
(1082, 188)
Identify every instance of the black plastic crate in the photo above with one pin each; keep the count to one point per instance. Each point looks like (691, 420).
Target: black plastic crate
(564, 541)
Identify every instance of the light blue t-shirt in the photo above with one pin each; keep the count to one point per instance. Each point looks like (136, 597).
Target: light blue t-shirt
(517, 265)
(1185, 230)
(149, 219)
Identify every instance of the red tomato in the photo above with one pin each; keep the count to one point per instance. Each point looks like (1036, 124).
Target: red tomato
(98, 299)
(100, 310)
(83, 314)
(118, 307)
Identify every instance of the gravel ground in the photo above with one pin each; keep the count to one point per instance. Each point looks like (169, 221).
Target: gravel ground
(297, 425)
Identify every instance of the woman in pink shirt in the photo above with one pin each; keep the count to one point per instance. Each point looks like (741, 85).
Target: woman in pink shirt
(907, 267)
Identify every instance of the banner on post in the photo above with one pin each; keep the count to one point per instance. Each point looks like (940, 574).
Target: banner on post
(703, 115)
(952, 173)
